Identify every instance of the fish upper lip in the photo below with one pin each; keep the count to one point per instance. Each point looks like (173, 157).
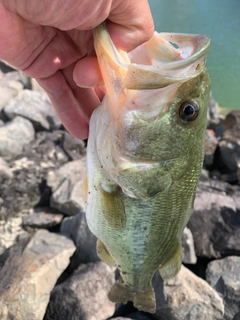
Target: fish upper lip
(165, 59)
(165, 50)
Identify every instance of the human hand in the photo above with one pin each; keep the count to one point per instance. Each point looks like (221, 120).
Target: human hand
(51, 40)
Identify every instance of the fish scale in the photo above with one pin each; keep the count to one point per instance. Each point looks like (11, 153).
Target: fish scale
(144, 158)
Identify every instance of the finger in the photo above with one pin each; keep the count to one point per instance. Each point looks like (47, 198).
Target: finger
(87, 98)
(65, 102)
(59, 52)
(130, 23)
(61, 14)
(87, 72)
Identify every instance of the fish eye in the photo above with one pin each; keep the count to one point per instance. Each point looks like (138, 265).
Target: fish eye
(188, 111)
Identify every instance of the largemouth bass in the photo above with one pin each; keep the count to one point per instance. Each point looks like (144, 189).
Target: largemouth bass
(144, 158)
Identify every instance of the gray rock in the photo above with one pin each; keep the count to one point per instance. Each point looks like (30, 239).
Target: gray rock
(77, 229)
(204, 175)
(10, 231)
(237, 316)
(230, 154)
(223, 276)
(215, 221)
(11, 73)
(67, 187)
(210, 146)
(9, 87)
(73, 147)
(188, 249)
(6, 67)
(4, 315)
(26, 280)
(34, 106)
(42, 218)
(232, 126)
(229, 149)
(15, 250)
(217, 125)
(28, 187)
(83, 295)
(136, 316)
(186, 297)
(14, 136)
(5, 172)
(212, 108)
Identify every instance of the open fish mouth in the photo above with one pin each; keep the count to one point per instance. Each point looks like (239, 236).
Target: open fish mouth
(165, 59)
(172, 50)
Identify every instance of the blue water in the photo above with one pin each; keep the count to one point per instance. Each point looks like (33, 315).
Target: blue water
(219, 19)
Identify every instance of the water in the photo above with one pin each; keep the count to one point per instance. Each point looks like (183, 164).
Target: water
(219, 19)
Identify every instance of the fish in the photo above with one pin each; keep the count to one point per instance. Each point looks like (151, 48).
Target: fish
(144, 157)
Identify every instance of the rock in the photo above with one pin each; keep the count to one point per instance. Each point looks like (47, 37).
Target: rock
(237, 316)
(4, 315)
(204, 175)
(11, 73)
(189, 256)
(211, 143)
(34, 106)
(14, 136)
(67, 187)
(218, 126)
(10, 231)
(223, 276)
(26, 280)
(230, 154)
(85, 294)
(212, 108)
(77, 229)
(136, 316)
(186, 297)
(68, 198)
(73, 147)
(9, 87)
(6, 67)
(232, 126)
(215, 221)
(42, 218)
(5, 172)
(28, 187)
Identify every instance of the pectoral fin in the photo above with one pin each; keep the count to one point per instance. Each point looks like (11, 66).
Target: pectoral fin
(169, 269)
(113, 208)
(103, 253)
(144, 181)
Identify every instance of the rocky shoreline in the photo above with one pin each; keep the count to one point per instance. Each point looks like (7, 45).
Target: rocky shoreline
(49, 268)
